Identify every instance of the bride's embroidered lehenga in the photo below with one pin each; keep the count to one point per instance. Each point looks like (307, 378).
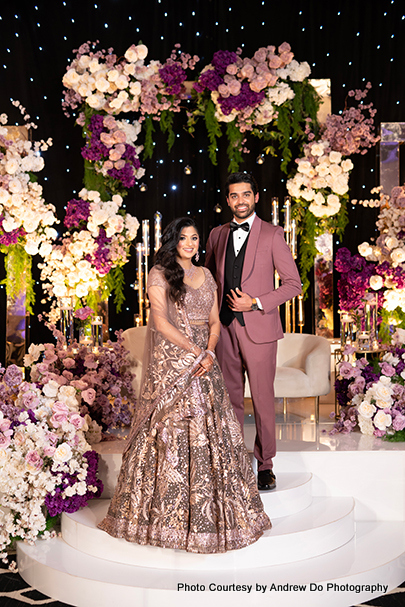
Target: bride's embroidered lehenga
(186, 480)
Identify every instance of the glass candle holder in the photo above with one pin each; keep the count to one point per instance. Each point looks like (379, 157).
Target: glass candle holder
(97, 332)
(347, 330)
(66, 318)
(364, 341)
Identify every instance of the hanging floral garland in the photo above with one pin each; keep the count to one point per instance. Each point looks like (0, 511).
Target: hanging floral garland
(321, 185)
(25, 219)
(268, 95)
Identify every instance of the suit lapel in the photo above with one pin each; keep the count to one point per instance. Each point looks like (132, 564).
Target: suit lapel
(251, 248)
(220, 256)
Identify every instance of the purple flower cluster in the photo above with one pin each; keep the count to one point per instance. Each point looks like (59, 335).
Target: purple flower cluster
(355, 279)
(173, 76)
(9, 238)
(95, 150)
(57, 503)
(101, 257)
(77, 213)
(246, 98)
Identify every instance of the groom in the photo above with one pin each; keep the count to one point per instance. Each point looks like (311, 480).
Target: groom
(243, 256)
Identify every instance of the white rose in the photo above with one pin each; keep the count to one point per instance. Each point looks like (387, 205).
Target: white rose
(335, 170)
(376, 282)
(366, 426)
(142, 51)
(304, 166)
(322, 169)
(366, 409)
(398, 256)
(382, 420)
(135, 88)
(81, 290)
(102, 85)
(95, 101)
(335, 157)
(63, 453)
(51, 388)
(347, 165)
(365, 249)
(11, 166)
(382, 393)
(121, 82)
(319, 198)
(316, 149)
(307, 194)
(391, 242)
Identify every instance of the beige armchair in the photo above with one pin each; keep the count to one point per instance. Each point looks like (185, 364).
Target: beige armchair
(303, 368)
(134, 342)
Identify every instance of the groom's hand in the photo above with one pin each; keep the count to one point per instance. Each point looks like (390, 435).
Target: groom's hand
(239, 301)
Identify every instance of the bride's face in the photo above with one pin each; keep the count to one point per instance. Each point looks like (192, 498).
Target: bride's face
(188, 243)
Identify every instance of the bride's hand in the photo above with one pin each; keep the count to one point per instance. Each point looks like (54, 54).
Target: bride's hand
(205, 366)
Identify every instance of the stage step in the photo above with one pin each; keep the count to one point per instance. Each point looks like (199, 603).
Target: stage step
(325, 525)
(375, 557)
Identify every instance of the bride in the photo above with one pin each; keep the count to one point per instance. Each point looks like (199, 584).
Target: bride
(186, 480)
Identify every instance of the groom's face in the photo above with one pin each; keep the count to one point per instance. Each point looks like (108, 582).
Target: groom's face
(241, 200)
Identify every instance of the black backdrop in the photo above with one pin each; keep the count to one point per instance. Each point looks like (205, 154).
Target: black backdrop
(349, 41)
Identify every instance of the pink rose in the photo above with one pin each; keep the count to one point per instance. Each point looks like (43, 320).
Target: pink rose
(60, 407)
(52, 437)
(275, 62)
(234, 87)
(284, 48)
(89, 395)
(34, 460)
(76, 420)
(58, 420)
(42, 367)
(231, 69)
(4, 441)
(107, 139)
(83, 313)
(260, 55)
(223, 90)
(108, 165)
(79, 384)
(258, 84)
(117, 152)
(69, 363)
(119, 136)
(30, 400)
(119, 164)
(49, 450)
(90, 362)
(69, 376)
(5, 425)
(247, 71)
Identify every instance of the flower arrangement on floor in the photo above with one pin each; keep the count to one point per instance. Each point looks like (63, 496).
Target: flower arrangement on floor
(267, 95)
(378, 272)
(372, 394)
(102, 378)
(88, 263)
(46, 465)
(320, 186)
(25, 219)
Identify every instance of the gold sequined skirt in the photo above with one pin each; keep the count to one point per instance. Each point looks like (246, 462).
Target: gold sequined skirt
(186, 481)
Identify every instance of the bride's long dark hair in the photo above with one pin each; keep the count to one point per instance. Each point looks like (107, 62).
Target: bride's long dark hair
(166, 257)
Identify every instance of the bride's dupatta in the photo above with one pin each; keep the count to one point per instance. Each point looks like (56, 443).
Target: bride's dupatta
(168, 365)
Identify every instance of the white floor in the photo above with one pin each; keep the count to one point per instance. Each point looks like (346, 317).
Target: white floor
(338, 536)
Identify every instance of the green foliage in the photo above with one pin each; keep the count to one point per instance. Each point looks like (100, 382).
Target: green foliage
(18, 266)
(309, 228)
(148, 144)
(95, 181)
(166, 126)
(115, 285)
(399, 436)
(213, 130)
(234, 149)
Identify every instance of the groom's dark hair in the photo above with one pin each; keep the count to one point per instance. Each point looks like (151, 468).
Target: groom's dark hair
(241, 178)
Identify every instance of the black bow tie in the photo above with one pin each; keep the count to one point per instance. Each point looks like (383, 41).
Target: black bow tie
(243, 226)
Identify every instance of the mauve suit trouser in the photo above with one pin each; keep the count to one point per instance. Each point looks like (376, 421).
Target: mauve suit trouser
(237, 352)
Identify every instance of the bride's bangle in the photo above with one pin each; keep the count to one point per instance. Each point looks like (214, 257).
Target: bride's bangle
(211, 353)
(193, 350)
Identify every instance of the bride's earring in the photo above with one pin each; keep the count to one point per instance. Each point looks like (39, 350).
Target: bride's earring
(197, 256)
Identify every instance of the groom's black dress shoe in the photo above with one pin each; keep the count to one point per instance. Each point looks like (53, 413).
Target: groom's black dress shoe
(266, 480)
